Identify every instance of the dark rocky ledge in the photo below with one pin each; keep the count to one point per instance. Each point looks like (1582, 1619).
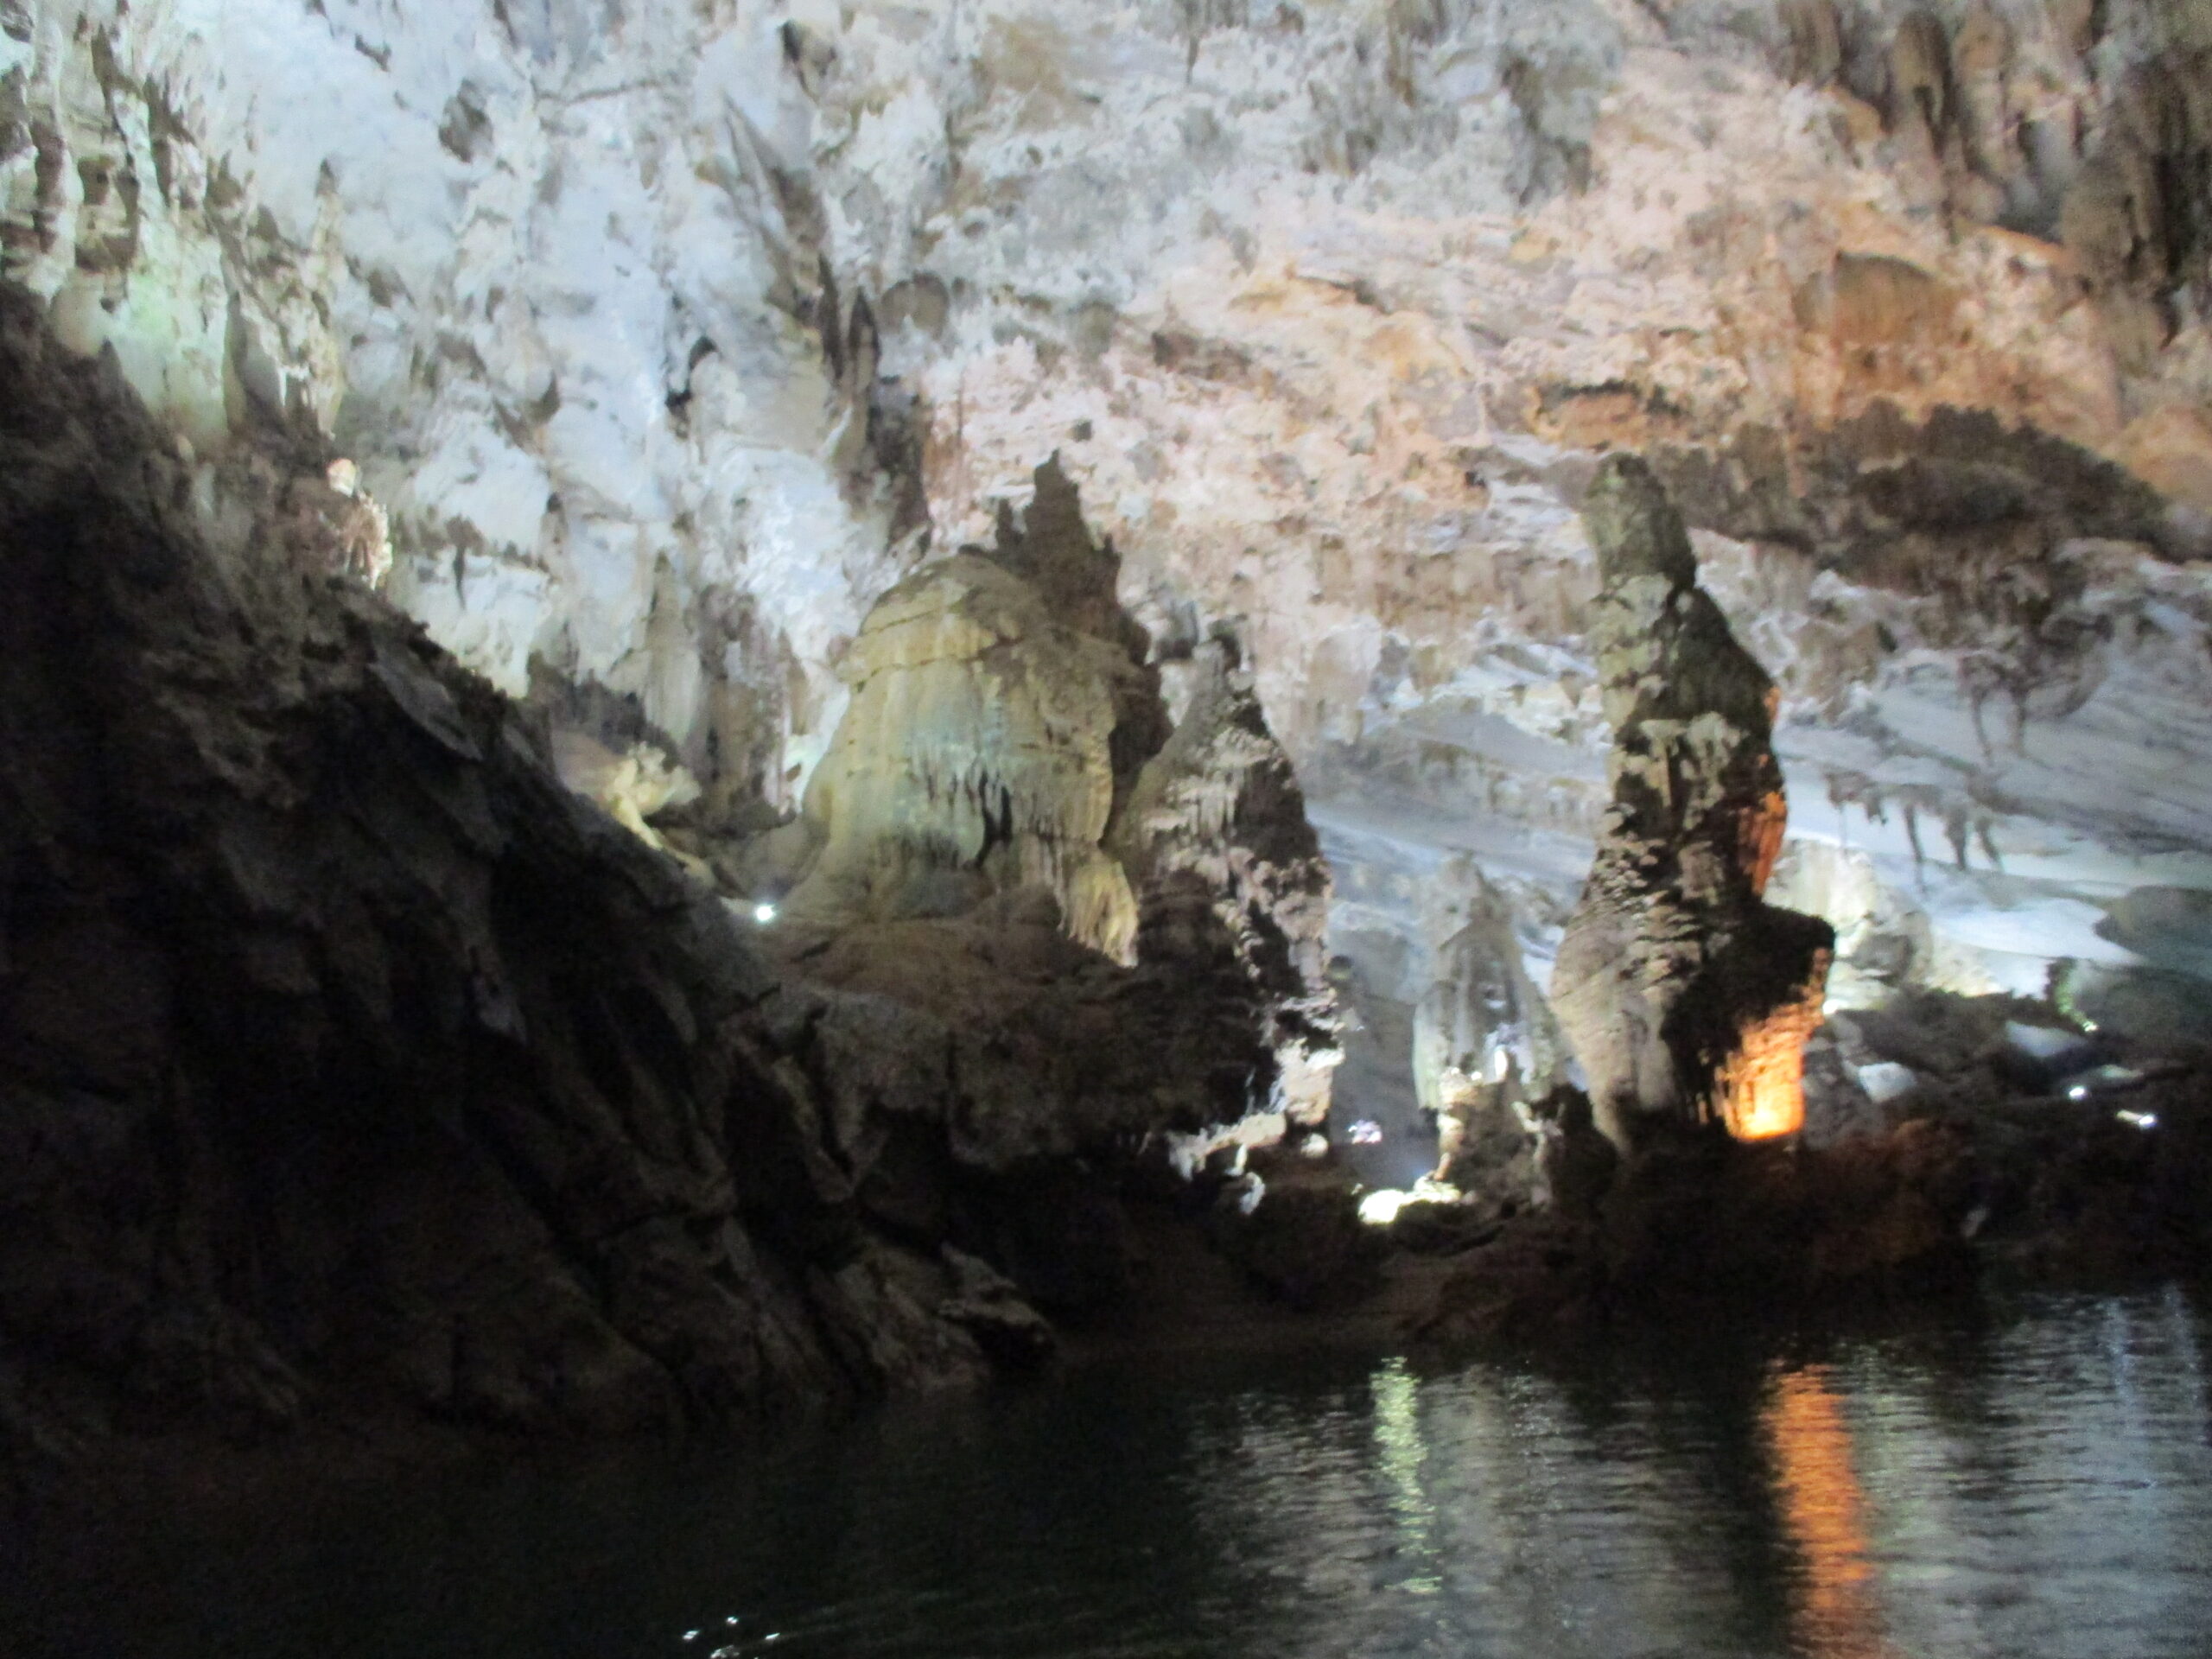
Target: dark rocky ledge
(350, 1068)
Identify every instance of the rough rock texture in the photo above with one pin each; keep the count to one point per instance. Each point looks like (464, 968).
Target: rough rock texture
(1687, 998)
(1007, 759)
(1015, 1080)
(1216, 840)
(1695, 1226)
(1486, 1046)
(669, 333)
(348, 1063)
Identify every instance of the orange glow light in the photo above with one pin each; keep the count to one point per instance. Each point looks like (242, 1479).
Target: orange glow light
(1760, 1091)
(1834, 1612)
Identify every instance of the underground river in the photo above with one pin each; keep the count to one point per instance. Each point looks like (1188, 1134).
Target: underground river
(2013, 1478)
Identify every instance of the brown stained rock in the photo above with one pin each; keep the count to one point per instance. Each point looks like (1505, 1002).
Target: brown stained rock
(2138, 216)
(1685, 998)
(1813, 50)
(1921, 94)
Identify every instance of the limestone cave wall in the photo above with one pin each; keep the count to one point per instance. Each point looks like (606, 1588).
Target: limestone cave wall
(668, 340)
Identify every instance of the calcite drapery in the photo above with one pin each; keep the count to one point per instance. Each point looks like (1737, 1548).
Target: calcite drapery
(1687, 998)
(1001, 709)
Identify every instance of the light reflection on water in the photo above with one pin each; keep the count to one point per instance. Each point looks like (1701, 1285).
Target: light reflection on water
(1835, 1612)
(2030, 1485)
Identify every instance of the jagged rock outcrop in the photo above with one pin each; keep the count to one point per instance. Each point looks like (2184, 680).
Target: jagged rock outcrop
(1006, 1082)
(1217, 844)
(2139, 215)
(661, 331)
(1686, 997)
(1005, 765)
(1485, 1049)
(349, 1063)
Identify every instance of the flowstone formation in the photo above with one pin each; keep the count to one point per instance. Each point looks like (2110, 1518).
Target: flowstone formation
(1001, 709)
(1009, 829)
(1687, 998)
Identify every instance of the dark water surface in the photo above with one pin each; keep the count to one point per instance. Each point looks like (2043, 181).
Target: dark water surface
(2016, 1481)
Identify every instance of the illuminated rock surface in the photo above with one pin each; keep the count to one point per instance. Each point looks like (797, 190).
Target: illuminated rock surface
(1688, 998)
(665, 338)
(1008, 767)
(1001, 709)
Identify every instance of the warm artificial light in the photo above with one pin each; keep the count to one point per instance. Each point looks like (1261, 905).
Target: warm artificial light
(1760, 1093)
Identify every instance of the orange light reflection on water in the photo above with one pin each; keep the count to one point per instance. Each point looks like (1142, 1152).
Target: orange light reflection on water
(1834, 1612)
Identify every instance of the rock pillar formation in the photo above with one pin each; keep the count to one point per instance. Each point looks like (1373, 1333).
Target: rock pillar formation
(1001, 709)
(1687, 998)
(1485, 1044)
(1007, 736)
(1225, 863)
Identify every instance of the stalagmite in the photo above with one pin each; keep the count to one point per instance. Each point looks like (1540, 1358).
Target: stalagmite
(1217, 816)
(1687, 998)
(1001, 709)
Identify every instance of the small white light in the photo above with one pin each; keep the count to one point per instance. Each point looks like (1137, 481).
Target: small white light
(763, 914)
(2077, 1092)
(1380, 1208)
(2140, 1119)
(2089, 1026)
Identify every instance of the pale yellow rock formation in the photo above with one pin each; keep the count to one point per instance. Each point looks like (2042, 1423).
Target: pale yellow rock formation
(977, 743)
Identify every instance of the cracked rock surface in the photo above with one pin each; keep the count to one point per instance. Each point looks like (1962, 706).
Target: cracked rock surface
(670, 339)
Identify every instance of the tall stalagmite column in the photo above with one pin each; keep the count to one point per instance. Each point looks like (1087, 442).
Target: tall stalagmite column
(1687, 998)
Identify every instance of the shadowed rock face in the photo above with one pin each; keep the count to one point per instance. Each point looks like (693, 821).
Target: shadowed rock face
(1217, 847)
(1326, 308)
(1687, 998)
(349, 1065)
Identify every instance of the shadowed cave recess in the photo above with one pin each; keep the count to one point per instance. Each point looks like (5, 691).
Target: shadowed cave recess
(711, 709)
